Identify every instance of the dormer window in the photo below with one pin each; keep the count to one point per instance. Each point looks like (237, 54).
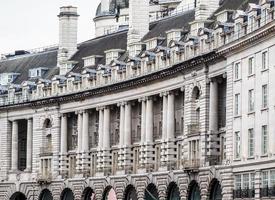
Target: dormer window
(151, 44)
(134, 50)
(91, 60)
(7, 78)
(173, 35)
(113, 55)
(37, 72)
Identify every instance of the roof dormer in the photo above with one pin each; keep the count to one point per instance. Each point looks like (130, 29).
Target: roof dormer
(224, 16)
(173, 34)
(91, 60)
(113, 54)
(153, 42)
(8, 78)
(37, 72)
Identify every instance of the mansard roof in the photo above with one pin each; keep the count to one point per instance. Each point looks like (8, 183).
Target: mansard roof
(22, 64)
(234, 4)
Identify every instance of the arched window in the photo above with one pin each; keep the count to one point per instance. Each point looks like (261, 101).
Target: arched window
(151, 192)
(47, 123)
(215, 190)
(130, 193)
(173, 192)
(67, 194)
(109, 194)
(195, 93)
(45, 195)
(194, 191)
(18, 196)
(88, 194)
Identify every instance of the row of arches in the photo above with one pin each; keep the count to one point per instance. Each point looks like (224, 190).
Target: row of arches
(151, 193)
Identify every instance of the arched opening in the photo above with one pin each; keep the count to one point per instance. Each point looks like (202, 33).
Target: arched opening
(45, 195)
(130, 193)
(88, 194)
(18, 196)
(194, 191)
(151, 192)
(173, 192)
(215, 190)
(67, 194)
(195, 93)
(109, 194)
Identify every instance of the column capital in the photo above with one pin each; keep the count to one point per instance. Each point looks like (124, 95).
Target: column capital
(62, 115)
(163, 94)
(99, 108)
(121, 103)
(182, 89)
(142, 99)
(79, 112)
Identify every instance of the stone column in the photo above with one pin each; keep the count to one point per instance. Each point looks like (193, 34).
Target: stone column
(106, 141)
(100, 139)
(14, 150)
(29, 145)
(85, 142)
(171, 116)
(128, 136)
(64, 145)
(213, 107)
(79, 141)
(143, 120)
(149, 121)
(164, 128)
(149, 134)
(121, 135)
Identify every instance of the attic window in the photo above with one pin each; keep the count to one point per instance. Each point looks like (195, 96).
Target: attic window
(112, 55)
(173, 35)
(89, 61)
(37, 72)
(7, 78)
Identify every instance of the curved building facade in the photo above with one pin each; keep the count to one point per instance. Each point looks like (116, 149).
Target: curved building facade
(182, 112)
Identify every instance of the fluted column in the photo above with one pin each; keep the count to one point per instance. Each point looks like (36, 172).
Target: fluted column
(213, 108)
(29, 145)
(171, 116)
(14, 150)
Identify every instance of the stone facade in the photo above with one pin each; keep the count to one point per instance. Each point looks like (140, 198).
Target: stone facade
(189, 120)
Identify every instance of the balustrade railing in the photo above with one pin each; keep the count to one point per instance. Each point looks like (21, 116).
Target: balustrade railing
(243, 193)
(191, 163)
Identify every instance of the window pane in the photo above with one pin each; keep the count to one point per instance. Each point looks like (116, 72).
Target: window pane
(238, 183)
(265, 179)
(237, 145)
(245, 181)
(264, 140)
(251, 142)
(264, 96)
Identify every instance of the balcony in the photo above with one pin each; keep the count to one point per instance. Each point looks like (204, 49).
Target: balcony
(244, 193)
(267, 192)
(46, 151)
(43, 179)
(213, 160)
(191, 164)
(193, 129)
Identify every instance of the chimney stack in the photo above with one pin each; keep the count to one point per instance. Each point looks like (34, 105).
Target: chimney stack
(138, 20)
(68, 19)
(205, 8)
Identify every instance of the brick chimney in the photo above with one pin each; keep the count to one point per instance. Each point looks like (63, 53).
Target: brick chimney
(68, 19)
(138, 20)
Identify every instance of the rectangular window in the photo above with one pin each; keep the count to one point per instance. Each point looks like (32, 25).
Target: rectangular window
(237, 104)
(264, 140)
(237, 145)
(251, 66)
(264, 96)
(237, 71)
(272, 178)
(251, 142)
(264, 179)
(264, 60)
(246, 181)
(252, 181)
(238, 182)
(251, 100)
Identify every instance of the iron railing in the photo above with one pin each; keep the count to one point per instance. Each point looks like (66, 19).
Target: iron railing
(267, 192)
(243, 193)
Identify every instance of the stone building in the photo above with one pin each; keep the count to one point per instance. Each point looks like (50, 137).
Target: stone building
(175, 108)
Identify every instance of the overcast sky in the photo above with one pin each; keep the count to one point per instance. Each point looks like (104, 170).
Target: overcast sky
(28, 24)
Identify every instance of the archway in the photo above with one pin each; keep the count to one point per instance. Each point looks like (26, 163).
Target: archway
(88, 194)
(194, 191)
(130, 193)
(45, 195)
(151, 192)
(215, 190)
(67, 194)
(173, 192)
(109, 194)
(18, 196)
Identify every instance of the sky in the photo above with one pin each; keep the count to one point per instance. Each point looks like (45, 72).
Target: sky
(29, 24)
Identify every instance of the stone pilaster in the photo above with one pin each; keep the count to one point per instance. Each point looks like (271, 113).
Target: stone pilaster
(85, 142)
(106, 159)
(127, 136)
(79, 141)
(100, 141)
(121, 135)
